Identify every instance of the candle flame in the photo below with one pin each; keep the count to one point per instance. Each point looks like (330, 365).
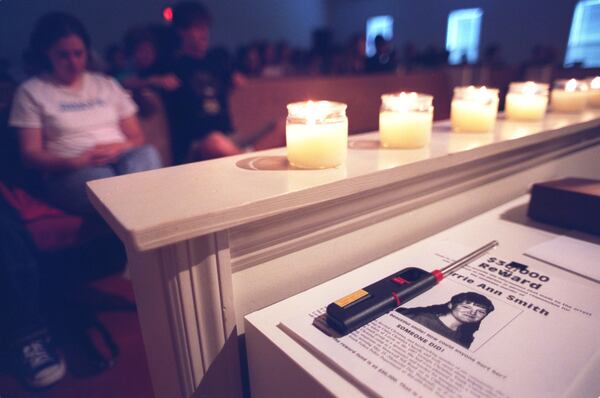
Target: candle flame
(571, 85)
(404, 101)
(530, 88)
(479, 94)
(314, 112)
(309, 113)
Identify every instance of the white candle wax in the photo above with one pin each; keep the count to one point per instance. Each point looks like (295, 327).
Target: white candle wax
(526, 101)
(405, 129)
(568, 101)
(569, 96)
(594, 98)
(594, 93)
(525, 107)
(317, 145)
(473, 117)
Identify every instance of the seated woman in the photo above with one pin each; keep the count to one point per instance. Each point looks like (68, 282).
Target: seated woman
(75, 126)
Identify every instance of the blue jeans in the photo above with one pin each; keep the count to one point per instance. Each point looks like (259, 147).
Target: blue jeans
(67, 190)
(20, 313)
(31, 283)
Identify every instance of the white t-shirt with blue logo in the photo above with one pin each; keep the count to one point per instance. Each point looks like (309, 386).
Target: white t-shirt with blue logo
(73, 120)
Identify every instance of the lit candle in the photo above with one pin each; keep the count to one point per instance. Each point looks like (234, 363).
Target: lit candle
(474, 109)
(405, 120)
(316, 134)
(569, 96)
(594, 93)
(526, 101)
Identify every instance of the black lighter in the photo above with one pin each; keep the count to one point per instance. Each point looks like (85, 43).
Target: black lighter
(363, 306)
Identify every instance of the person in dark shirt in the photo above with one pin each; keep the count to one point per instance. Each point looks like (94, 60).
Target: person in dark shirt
(199, 110)
(456, 320)
(384, 59)
(201, 126)
(148, 58)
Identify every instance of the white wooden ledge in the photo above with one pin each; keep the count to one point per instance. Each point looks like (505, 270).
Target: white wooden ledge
(210, 242)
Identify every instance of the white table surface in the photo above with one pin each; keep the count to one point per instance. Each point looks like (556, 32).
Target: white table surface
(507, 223)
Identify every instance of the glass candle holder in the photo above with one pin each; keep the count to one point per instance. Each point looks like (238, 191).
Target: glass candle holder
(526, 101)
(316, 134)
(405, 120)
(474, 109)
(569, 96)
(594, 93)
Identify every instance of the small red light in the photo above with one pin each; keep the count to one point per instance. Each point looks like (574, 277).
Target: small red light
(168, 14)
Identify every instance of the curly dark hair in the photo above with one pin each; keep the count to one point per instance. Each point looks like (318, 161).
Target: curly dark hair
(465, 331)
(473, 298)
(49, 29)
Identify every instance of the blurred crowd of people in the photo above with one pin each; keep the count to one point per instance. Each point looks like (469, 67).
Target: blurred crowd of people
(145, 50)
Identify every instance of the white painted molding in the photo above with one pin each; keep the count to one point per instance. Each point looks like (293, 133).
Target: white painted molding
(257, 242)
(159, 207)
(185, 306)
(212, 241)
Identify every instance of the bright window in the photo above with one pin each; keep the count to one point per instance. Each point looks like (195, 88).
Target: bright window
(584, 39)
(462, 38)
(382, 25)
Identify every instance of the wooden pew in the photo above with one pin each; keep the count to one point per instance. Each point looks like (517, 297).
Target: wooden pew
(576, 73)
(154, 122)
(263, 101)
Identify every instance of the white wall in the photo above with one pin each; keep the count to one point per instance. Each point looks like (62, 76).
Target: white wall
(516, 25)
(235, 21)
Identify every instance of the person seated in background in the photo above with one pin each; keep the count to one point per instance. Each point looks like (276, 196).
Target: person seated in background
(249, 62)
(116, 61)
(356, 56)
(492, 56)
(38, 296)
(384, 59)
(150, 69)
(45, 258)
(74, 125)
(199, 110)
(284, 55)
(270, 60)
(33, 354)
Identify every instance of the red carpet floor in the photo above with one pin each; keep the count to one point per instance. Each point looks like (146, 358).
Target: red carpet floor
(129, 378)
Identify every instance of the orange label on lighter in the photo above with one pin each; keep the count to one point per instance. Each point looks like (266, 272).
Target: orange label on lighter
(352, 297)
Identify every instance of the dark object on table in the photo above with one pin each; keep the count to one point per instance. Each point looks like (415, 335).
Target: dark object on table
(568, 203)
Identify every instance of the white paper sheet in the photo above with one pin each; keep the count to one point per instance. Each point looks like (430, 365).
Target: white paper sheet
(540, 340)
(574, 255)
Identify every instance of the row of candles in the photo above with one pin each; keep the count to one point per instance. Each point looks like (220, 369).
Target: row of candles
(317, 131)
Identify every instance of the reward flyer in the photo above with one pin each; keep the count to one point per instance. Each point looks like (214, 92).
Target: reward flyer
(494, 328)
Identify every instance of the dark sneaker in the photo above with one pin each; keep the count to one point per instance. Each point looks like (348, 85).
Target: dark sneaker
(39, 364)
